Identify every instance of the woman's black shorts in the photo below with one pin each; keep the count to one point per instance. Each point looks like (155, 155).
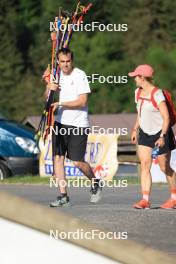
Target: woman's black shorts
(70, 141)
(149, 140)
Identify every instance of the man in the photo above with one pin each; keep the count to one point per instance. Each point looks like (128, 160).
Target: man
(72, 113)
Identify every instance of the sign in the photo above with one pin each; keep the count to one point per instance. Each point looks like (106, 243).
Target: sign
(157, 174)
(101, 154)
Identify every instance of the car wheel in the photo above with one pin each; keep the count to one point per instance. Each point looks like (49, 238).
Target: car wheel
(4, 171)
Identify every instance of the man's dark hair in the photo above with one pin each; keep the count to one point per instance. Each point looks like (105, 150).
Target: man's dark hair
(66, 51)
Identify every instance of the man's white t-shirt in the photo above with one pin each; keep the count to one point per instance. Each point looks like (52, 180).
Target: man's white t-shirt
(150, 119)
(72, 86)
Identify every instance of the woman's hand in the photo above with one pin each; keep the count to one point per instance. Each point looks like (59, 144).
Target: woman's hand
(160, 142)
(134, 136)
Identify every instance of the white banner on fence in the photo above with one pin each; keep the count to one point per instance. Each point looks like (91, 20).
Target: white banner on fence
(157, 174)
(101, 154)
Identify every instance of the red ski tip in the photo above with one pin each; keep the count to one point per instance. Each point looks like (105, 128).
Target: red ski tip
(87, 8)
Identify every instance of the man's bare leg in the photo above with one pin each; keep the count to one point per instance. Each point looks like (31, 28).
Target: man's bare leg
(96, 188)
(59, 173)
(85, 168)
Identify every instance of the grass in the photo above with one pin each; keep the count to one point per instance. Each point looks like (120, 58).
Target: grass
(27, 179)
(30, 179)
(130, 179)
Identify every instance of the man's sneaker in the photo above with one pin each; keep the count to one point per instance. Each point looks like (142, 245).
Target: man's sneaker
(96, 192)
(60, 201)
(142, 204)
(170, 204)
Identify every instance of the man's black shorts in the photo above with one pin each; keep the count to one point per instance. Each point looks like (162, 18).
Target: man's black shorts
(149, 140)
(70, 141)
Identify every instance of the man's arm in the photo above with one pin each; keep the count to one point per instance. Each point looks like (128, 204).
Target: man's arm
(50, 87)
(46, 93)
(76, 104)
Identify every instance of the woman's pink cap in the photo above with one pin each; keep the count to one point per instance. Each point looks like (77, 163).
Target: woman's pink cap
(144, 70)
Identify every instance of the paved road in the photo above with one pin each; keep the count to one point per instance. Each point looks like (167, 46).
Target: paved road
(155, 228)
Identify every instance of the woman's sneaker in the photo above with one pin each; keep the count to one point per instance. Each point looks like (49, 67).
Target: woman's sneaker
(60, 201)
(96, 192)
(170, 204)
(142, 204)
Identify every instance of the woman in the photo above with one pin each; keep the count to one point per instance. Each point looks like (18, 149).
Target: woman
(152, 128)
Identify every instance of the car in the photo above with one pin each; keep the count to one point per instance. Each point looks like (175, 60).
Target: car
(18, 150)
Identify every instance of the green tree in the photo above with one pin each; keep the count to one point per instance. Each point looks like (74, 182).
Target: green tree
(11, 64)
(150, 23)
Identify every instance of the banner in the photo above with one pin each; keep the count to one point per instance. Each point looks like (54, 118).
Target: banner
(157, 174)
(101, 154)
